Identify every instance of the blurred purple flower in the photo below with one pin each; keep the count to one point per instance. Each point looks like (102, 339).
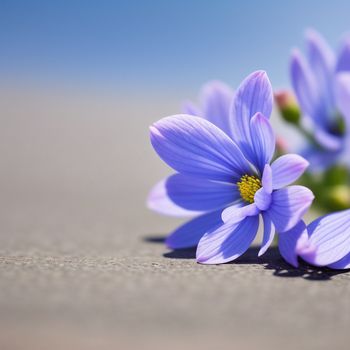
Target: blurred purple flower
(329, 241)
(215, 100)
(322, 85)
(227, 178)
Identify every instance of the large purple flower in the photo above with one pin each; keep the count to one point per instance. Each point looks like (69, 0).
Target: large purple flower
(329, 241)
(228, 179)
(322, 85)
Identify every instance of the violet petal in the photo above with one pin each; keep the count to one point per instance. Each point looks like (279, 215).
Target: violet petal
(195, 147)
(159, 201)
(239, 210)
(189, 234)
(253, 95)
(200, 194)
(263, 139)
(287, 169)
(216, 98)
(330, 236)
(288, 206)
(292, 242)
(228, 241)
(268, 235)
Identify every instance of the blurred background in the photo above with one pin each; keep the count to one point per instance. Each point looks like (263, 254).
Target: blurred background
(80, 82)
(168, 47)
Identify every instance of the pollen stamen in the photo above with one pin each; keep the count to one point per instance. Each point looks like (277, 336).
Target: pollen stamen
(247, 186)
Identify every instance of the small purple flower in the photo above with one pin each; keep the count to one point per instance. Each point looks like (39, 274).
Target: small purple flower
(322, 85)
(227, 180)
(329, 241)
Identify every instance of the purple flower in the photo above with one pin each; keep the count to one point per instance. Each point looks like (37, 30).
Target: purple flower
(322, 85)
(329, 241)
(227, 179)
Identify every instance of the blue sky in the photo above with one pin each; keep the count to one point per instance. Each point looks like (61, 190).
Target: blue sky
(158, 44)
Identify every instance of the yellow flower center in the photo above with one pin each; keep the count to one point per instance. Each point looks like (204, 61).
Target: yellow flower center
(247, 187)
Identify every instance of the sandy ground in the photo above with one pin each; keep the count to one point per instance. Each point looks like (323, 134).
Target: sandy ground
(82, 262)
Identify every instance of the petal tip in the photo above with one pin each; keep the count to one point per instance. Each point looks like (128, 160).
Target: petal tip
(294, 263)
(149, 201)
(297, 61)
(295, 53)
(263, 75)
(306, 163)
(261, 252)
(309, 195)
(258, 74)
(154, 131)
(203, 260)
(261, 72)
(303, 164)
(311, 33)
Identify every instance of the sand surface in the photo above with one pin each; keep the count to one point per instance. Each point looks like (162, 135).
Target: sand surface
(83, 264)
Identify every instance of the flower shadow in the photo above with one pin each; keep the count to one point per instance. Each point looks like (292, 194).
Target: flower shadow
(185, 253)
(272, 260)
(154, 239)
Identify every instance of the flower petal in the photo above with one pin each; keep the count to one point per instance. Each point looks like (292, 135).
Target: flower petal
(288, 206)
(320, 159)
(190, 108)
(343, 62)
(306, 89)
(292, 242)
(254, 95)
(195, 147)
(189, 234)
(216, 98)
(266, 180)
(199, 194)
(341, 264)
(322, 63)
(330, 237)
(287, 169)
(228, 241)
(262, 199)
(269, 234)
(331, 143)
(263, 139)
(159, 201)
(342, 93)
(239, 210)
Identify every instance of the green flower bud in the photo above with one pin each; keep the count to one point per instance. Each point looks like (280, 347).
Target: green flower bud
(339, 197)
(288, 106)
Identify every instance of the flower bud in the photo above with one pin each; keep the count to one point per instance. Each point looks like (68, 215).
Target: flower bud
(281, 145)
(287, 106)
(339, 197)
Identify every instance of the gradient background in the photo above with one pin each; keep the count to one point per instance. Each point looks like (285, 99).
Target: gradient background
(138, 46)
(80, 82)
